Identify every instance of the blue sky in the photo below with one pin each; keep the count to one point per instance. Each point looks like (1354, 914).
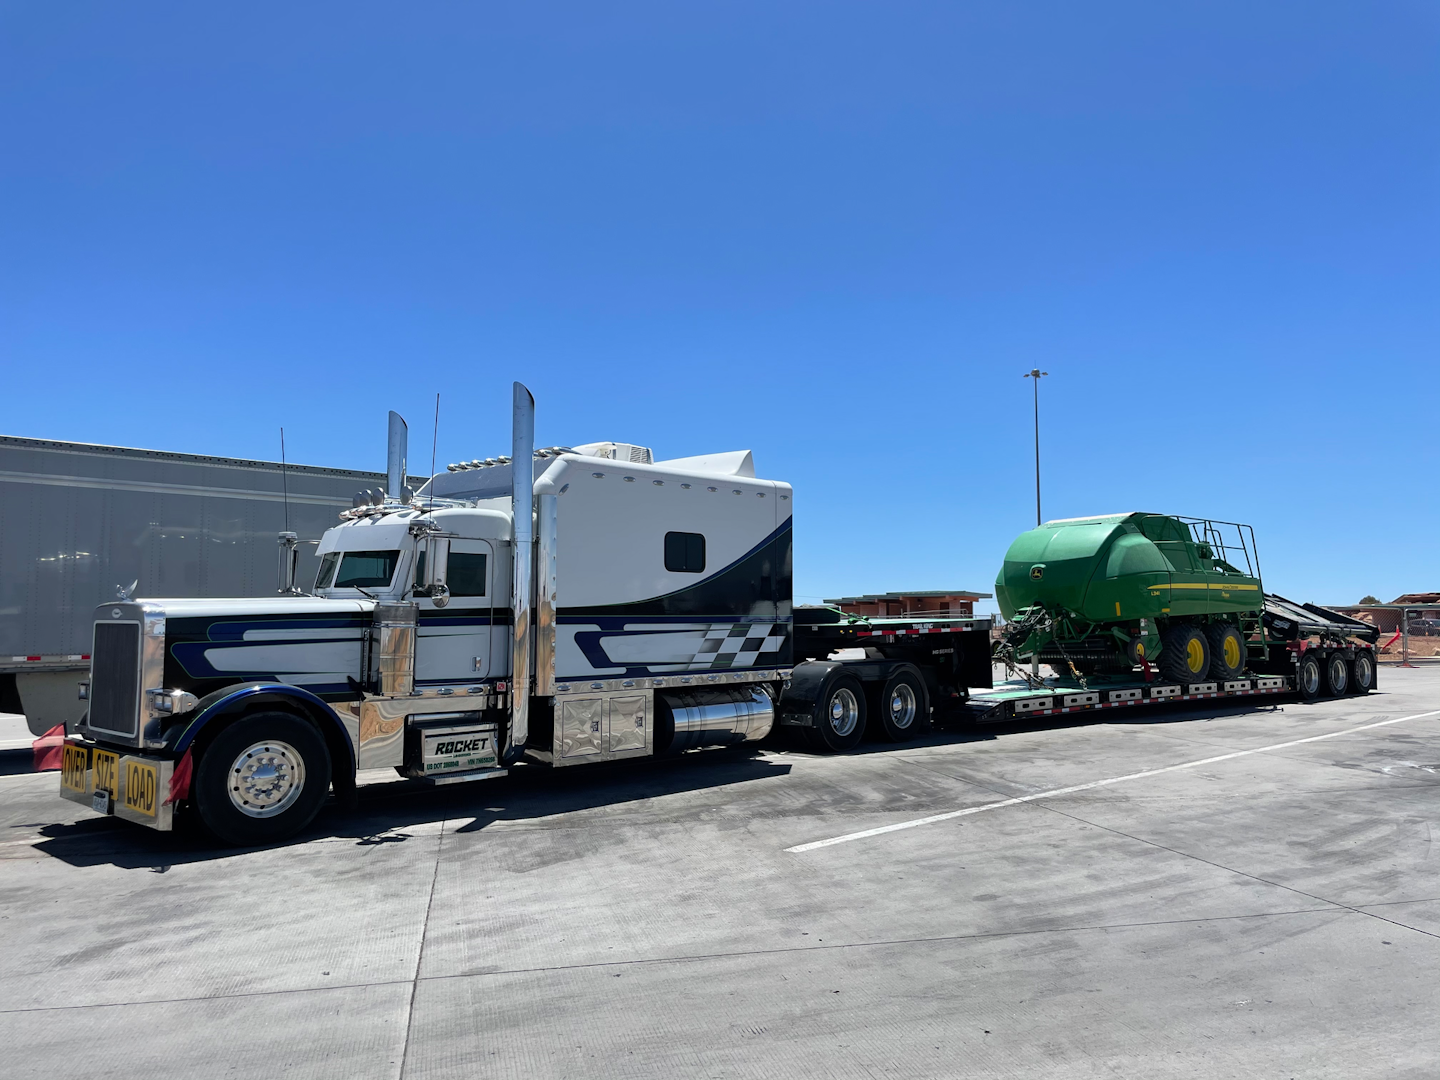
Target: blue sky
(837, 234)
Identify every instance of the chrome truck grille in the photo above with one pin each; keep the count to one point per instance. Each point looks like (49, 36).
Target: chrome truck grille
(115, 678)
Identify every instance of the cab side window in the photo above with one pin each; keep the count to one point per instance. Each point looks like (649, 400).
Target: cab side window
(684, 553)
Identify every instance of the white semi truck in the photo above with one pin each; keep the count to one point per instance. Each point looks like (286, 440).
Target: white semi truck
(595, 606)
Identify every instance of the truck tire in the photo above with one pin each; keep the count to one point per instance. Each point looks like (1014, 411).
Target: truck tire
(1336, 674)
(1185, 655)
(1362, 672)
(1227, 651)
(1308, 677)
(839, 715)
(902, 708)
(262, 779)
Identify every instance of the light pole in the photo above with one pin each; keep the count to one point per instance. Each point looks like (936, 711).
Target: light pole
(1037, 375)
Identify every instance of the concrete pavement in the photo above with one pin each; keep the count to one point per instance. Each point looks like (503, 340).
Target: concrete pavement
(1274, 914)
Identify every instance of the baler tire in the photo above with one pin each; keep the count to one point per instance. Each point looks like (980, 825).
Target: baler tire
(838, 715)
(1174, 662)
(902, 708)
(1217, 635)
(1362, 672)
(222, 802)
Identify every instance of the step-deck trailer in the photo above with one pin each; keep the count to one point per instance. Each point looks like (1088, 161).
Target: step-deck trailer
(1296, 649)
(590, 605)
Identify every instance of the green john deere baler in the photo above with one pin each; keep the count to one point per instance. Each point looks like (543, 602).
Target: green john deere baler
(1105, 594)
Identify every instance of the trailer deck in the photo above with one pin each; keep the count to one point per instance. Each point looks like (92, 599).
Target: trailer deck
(1015, 698)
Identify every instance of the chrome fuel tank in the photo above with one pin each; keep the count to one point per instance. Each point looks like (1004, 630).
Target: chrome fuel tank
(686, 719)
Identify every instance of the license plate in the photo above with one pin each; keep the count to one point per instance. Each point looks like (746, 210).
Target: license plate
(107, 772)
(74, 764)
(142, 782)
(100, 802)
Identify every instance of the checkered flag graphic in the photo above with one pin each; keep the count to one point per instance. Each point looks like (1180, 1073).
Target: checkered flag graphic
(741, 645)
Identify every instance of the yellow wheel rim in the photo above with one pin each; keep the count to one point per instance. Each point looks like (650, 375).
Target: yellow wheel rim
(1195, 655)
(1232, 652)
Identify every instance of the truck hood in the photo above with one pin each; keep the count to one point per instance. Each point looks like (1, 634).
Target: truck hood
(190, 607)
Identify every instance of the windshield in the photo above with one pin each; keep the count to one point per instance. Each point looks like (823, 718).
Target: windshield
(364, 569)
(327, 570)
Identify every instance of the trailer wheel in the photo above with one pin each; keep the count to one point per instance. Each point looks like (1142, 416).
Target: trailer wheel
(1337, 674)
(839, 715)
(262, 779)
(1185, 655)
(1227, 651)
(903, 706)
(1307, 677)
(1362, 672)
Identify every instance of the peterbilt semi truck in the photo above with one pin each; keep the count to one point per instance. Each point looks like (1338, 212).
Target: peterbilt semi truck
(550, 608)
(80, 519)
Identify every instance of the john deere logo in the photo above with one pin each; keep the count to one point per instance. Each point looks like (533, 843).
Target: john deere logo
(1036, 573)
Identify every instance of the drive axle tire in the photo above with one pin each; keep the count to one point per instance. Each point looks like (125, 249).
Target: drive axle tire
(1308, 677)
(1227, 651)
(1336, 674)
(902, 708)
(1185, 655)
(262, 779)
(1362, 672)
(838, 715)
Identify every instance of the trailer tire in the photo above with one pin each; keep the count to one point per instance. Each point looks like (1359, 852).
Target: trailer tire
(1185, 655)
(902, 708)
(1362, 672)
(1227, 651)
(262, 779)
(1336, 674)
(839, 715)
(1308, 676)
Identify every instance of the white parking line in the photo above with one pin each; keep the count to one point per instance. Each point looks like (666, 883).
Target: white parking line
(1054, 792)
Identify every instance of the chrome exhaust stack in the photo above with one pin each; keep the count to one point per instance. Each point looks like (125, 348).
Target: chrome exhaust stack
(522, 505)
(396, 465)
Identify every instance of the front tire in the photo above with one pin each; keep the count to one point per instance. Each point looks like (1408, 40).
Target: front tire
(1185, 657)
(903, 706)
(838, 715)
(262, 779)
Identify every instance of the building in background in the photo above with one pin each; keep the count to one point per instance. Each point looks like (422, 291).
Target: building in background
(952, 602)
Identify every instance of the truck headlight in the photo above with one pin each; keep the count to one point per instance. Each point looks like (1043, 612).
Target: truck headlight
(172, 701)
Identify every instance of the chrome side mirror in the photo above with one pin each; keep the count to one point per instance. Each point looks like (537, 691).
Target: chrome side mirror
(433, 555)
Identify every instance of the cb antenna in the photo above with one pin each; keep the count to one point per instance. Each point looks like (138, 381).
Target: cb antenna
(434, 441)
(284, 483)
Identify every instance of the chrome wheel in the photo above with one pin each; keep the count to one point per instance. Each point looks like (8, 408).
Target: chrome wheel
(844, 712)
(1364, 672)
(902, 706)
(1310, 678)
(1339, 673)
(266, 779)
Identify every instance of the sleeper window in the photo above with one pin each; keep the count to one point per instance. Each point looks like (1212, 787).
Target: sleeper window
(466, 573)
(684, 553)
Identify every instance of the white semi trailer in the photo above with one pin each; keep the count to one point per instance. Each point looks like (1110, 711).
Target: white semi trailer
(594, 606)
(79, 519)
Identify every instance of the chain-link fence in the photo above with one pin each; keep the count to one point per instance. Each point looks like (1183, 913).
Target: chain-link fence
(1408, 632)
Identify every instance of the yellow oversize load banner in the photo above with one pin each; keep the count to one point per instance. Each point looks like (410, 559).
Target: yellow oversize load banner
(130, 786)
